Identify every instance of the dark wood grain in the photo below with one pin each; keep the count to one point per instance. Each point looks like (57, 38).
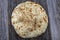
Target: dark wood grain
(3, 20)
(7, 31)
(54, 18)
(12, 34)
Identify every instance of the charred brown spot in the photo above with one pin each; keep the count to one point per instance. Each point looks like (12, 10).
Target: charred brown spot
(13, 22)
(40, 21)
(30, 10)
(41, 8)
(39, 25)
(35, 4)
(31, 2)
(31, 30)
(22, 8)
(11, 16)
(35, 24)
(23, 12)
(44, 19)
(19, 27)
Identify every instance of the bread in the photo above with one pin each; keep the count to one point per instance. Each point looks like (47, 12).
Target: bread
(29, 19)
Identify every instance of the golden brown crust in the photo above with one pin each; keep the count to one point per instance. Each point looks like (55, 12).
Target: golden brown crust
(29, 19)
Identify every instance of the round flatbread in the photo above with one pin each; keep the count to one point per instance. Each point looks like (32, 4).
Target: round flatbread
(29, 19)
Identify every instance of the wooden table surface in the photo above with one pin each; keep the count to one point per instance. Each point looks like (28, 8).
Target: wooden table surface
(53, 8)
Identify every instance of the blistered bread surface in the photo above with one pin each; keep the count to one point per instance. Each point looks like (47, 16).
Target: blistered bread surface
(29, 19)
